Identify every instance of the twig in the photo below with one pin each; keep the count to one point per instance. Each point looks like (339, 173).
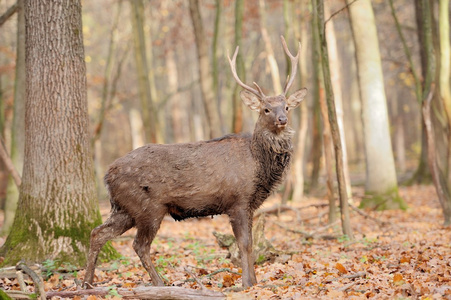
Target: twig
(202, 287)
(324, 227)
(220, 271)
(9, 165)
(9, 12)
(39, 287)
(276, 209)
(343, 289)
(21, 281)
(306, 234)
(338, 11)
(350, 276)
(365, 215)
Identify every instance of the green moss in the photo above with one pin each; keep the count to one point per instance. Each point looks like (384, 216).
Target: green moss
(383, 201)
(23, 243)
(3, 295)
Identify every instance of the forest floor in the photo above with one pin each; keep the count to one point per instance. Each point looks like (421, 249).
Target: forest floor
(395, 255)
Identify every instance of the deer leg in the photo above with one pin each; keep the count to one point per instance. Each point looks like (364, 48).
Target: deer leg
(141, 244)
(115, 225)
(242, 229)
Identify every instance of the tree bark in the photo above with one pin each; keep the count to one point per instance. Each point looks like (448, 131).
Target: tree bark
(345, 222)
(381, 185)
(57, 205)
(154, 292)
(439, 179)
(206, 82)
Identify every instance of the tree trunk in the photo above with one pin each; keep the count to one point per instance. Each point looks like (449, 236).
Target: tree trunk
(334, 64)
(440, 182)
(18, 128)
(445, 67)
(300, 34)
(145, 93)
(424, 30)
(274, 69)
(206, 82)
(318, 92)
(345, 222)
(57, 205)
(381, 185)
(237, 118)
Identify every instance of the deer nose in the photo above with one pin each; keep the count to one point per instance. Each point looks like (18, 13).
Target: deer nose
(283, 120)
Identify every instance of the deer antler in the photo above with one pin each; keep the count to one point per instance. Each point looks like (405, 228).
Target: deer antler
(258, 92)
(294, 65)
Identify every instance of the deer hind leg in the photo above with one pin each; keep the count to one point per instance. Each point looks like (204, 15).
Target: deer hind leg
(242, 229)
(141, 245)
(118, 223)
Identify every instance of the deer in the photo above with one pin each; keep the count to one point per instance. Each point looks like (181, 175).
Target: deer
(231, 175)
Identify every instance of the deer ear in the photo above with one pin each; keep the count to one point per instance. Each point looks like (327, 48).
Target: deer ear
(296, 98)
(251, 100)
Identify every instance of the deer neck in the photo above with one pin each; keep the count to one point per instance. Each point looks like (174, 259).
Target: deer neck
(272, 154)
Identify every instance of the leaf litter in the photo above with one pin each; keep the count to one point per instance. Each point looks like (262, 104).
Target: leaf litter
(407, 255)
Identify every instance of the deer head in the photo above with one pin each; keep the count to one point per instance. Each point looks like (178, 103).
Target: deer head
(273, 109)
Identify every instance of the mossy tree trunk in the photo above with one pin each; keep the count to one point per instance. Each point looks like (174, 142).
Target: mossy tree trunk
(57, 204)
(381, 183)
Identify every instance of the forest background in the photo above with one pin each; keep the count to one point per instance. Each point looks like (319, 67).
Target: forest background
(147, 81)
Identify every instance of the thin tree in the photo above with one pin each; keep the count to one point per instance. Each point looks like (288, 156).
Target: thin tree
(57, 204)
(345, 222)
(237, 117)
(18, 127)
(145, 92)
(206, 81)
(273, 68)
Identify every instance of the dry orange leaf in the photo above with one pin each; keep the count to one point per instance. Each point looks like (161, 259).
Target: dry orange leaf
(227, 280)
(341, 268)
(398, 279)
(92, 297)
(405, 259)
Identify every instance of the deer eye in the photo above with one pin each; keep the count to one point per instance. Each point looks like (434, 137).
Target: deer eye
(267, 111)
(286, 108)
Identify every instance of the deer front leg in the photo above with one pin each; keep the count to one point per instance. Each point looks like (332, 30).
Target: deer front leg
(242, 229)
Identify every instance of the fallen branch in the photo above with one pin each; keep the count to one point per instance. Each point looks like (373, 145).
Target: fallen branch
(202, 287)
(350, 276)
(38, 286)
(307, 235)
(346, 287)
(151, 292)
(275, 209)
(365, 215)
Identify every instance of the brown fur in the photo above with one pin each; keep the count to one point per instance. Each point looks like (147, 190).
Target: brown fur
(230, 175)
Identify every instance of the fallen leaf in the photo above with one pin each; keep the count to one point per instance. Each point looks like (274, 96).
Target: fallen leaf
(398, 279)
(227, 280)
(341, 268)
